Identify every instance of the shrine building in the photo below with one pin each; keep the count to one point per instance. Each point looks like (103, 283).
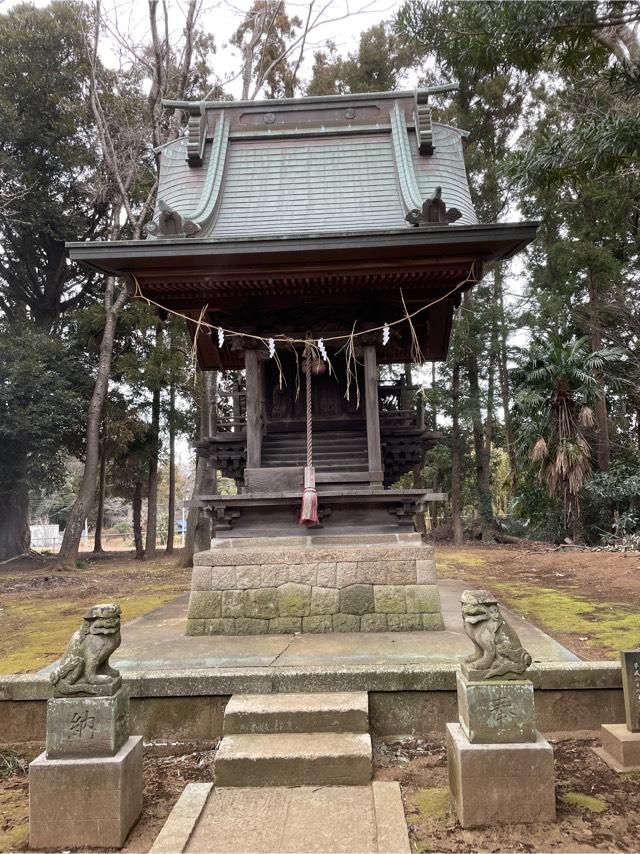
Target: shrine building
(287, 219)
(298, 236)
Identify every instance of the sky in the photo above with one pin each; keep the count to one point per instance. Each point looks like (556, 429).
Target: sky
(339, 21)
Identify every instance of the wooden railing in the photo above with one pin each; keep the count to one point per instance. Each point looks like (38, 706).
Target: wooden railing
(401, 405)
(230, 419)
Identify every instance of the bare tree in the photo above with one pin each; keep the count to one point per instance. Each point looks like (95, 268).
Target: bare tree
(262, 31)
(121, 155)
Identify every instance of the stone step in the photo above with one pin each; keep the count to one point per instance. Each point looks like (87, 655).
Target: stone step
(294, 759)
(275, 713)
(318, 453)
(326, 436)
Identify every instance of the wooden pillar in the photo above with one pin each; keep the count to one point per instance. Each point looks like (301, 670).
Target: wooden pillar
(254, 422)
(371, 406)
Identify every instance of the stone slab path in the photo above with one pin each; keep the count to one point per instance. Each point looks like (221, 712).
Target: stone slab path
(304, 820)
(157, 642)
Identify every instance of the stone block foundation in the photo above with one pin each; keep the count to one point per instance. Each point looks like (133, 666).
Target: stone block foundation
(85, 802)
(500, 783)
(274, 585)
(620, 748)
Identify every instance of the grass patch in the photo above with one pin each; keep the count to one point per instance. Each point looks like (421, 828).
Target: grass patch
(10, 763)
(433, 803)
(609, 626)
(455, 563)
(602, 626)
(584, 803)
(36, 631)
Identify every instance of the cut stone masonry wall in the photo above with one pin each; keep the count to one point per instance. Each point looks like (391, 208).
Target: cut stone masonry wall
(280, 590)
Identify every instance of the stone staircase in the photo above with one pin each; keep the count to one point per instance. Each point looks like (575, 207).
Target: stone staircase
(292, 773)
(295, 740)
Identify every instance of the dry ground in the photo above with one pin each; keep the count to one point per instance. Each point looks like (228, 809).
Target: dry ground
(598, 810)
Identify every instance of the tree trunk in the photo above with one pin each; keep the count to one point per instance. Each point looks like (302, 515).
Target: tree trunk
(199, 529)
(102, 482)
(152, 498)
(86, 494)
(483, 480)
(137, 520)
(602, 418)
(15, 536)
(503, 376)
(171, 510)
(491, 383)
(456, 459)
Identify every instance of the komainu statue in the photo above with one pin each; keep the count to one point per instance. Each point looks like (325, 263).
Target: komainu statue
(498, 651)
(84, 668)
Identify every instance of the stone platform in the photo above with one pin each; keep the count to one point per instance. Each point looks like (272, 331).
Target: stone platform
(318, 584)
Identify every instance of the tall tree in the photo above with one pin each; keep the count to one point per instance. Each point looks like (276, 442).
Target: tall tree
(555, 396)
(134, 177)
(378, 65)
(54, 190)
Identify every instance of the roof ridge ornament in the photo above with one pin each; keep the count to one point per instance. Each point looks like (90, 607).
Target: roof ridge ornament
(434, 212)
(422, 116)
(196, 134)
(171, 224)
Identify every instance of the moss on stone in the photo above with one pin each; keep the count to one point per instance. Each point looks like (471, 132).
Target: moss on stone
(293, 600)
(588, 803)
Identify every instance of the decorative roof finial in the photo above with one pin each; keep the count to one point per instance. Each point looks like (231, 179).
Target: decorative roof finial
(171, 224)
(434, 212)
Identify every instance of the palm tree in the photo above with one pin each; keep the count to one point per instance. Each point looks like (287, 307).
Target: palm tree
(556, 389)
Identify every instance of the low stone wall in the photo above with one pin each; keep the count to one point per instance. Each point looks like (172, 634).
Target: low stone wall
(177, 708)
(375, 588)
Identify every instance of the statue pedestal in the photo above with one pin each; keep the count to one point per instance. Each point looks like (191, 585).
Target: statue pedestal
(500, 783)
(620, 747)
(87, 726)
(85, 802)
(496, 711)
(85, 790)
(500, 767)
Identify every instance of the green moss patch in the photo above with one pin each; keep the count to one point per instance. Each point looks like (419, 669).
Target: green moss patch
(584, 803)
(37, 623)
(610, 626)
(433, 803)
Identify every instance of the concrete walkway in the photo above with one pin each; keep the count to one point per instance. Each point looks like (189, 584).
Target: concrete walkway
(302, 820)
(157, 642)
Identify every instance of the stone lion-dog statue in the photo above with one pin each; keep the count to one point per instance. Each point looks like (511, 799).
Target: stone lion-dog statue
(84, 668)
(498, 651)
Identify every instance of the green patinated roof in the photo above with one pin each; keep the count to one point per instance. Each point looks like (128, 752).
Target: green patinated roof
(311, 166)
